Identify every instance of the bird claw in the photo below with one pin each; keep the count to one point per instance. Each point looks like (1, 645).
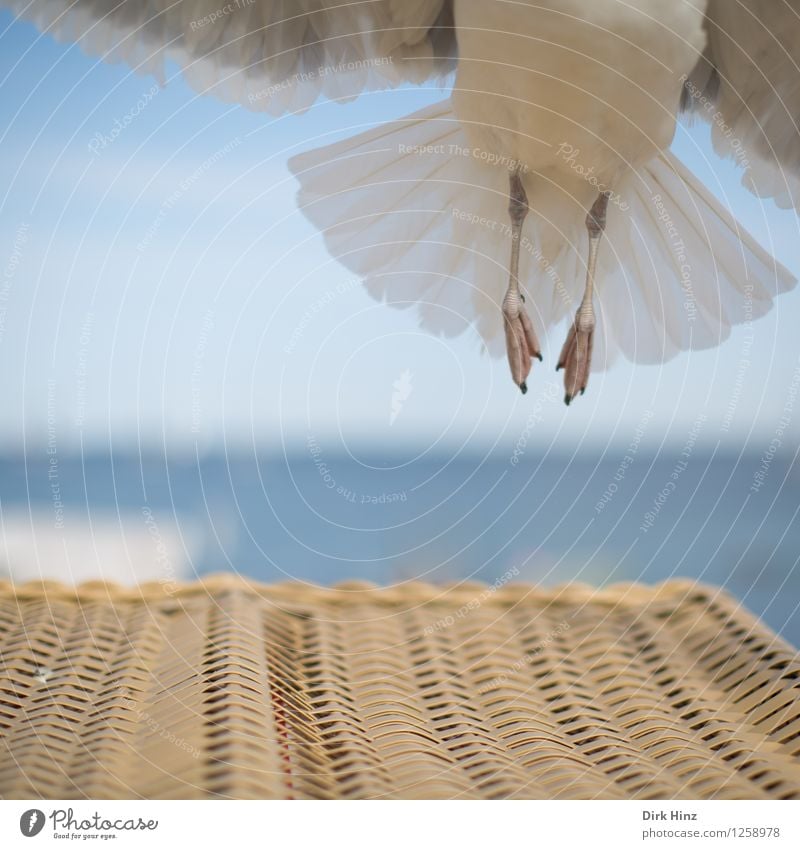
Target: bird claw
(521, 343)
(576, 360)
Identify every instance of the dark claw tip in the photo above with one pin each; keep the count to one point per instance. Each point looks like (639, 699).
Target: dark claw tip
(567, 399)
(541, 358)
(583, 390)
(523, 387)
(559, 367)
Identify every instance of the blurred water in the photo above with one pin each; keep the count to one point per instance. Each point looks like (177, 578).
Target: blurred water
(323, 517)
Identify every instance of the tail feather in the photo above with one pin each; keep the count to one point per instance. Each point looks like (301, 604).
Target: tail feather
(385, 200)
(409, 207)
(697, 271)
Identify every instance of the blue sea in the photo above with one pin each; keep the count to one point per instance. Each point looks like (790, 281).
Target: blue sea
(324, 517)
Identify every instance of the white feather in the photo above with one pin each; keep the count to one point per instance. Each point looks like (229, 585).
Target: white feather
(747, 87)
(269, 55)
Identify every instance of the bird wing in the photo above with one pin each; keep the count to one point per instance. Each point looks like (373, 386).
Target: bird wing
(747, 85)
(270, 55)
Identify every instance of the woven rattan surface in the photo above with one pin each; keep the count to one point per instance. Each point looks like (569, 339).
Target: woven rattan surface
(224, 688)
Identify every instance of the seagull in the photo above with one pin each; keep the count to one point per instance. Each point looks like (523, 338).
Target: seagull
(542, 190)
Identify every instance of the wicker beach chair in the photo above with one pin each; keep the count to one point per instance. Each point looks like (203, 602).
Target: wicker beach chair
(229, 689)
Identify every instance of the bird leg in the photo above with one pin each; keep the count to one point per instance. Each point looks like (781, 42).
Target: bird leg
(521, 342)
(576, 355)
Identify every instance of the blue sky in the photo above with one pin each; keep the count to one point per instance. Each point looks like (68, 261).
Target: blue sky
(140, 305)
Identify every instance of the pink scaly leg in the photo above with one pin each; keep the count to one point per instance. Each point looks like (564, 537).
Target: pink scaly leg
(521, 342)
(576, 355)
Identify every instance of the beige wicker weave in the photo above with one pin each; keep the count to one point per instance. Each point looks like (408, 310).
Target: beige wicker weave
(231, 689)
